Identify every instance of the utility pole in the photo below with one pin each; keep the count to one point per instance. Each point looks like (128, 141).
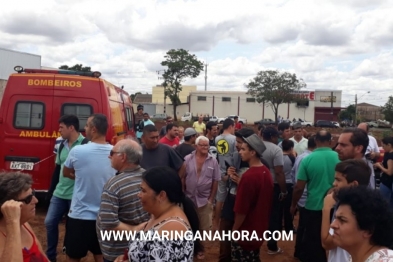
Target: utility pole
(331, 104)
(206, 76)
(159, 78)
(356, 109)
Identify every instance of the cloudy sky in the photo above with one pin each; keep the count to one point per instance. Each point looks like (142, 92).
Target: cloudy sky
(331, 44)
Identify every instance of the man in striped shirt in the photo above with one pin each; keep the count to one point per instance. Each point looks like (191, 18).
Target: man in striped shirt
(120, 208)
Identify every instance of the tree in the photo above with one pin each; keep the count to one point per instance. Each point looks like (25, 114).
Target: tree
(275, 88)
(77, 67)
(348, 113)
(181, 65)
(387, 110)
(134, 95)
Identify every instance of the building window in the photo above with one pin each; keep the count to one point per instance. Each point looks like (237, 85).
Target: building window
(201, 98)
(226, 99)
(29, 115)
(250, 100)
(82, 111)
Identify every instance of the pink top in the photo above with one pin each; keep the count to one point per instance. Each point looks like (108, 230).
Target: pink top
(199, 189)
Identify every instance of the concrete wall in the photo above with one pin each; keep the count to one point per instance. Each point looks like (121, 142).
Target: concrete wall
(213, 103)
(158, 94)
(322, 98)
(180, 110)
(147, 108)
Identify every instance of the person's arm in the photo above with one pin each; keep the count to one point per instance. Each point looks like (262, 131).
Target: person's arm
(109, 209)
(12, 250)
(297, 194)
(68, 169)
(239, 220)
(375, 153)
(69, 172)
(388, 171)
(326, 238)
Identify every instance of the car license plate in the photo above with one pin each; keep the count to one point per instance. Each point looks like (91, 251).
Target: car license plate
(22, 165)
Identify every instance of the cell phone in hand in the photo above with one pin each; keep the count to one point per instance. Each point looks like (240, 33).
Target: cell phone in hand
(227, 164)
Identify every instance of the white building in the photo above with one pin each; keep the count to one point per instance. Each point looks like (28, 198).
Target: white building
(221, 104)
(10, 58)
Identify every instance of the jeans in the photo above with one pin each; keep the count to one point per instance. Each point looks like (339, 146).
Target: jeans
(386, 194)
(58, 207)
(106, 260)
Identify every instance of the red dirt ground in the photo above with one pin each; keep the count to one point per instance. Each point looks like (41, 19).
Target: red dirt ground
(212, 249)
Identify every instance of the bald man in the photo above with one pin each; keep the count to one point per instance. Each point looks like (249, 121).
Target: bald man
(120, 207)
(372, 151)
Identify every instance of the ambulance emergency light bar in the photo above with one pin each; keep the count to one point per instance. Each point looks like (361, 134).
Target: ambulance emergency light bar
(20, 69)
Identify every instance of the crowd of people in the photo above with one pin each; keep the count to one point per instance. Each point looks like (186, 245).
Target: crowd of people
(204, 178)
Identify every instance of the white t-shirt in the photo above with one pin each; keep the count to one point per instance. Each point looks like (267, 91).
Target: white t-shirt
(59, 140)
(372, 145)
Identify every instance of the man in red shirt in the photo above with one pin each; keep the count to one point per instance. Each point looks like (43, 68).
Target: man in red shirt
(172, 136)
(238, 125)
(253, 201)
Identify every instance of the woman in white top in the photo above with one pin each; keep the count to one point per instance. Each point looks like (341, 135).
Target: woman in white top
(363, 225)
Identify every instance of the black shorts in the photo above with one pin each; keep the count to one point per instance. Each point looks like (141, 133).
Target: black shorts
(80, 237)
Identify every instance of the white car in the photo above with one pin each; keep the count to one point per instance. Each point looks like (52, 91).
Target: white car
(241, 120)
(336, 124)
(213, 119)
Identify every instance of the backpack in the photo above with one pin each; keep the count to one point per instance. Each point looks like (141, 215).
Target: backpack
(56, 172)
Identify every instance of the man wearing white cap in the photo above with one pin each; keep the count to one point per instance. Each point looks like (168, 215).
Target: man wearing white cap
(189, 142)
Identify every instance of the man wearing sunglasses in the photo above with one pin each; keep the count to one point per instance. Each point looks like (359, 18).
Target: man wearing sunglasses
(90, 167)
(60, 202)
(120, 206)
(168, 120)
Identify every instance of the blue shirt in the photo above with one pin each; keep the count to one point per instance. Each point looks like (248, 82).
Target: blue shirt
(145, 123)
(92, 170)
(295, 169)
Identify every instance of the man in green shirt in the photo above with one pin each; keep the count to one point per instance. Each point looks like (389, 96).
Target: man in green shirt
(61, 199)
(317, 171)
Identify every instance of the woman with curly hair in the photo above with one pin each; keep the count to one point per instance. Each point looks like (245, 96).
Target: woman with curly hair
(363, 225)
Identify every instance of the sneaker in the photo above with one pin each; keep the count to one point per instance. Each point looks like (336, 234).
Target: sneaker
(278, 251)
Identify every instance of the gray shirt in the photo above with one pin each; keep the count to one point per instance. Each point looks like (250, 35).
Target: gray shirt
(162, 155)
(226, 147)
(274, 157)
(303, 198)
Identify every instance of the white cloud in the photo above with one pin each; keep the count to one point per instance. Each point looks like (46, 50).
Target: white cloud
(330, 44)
